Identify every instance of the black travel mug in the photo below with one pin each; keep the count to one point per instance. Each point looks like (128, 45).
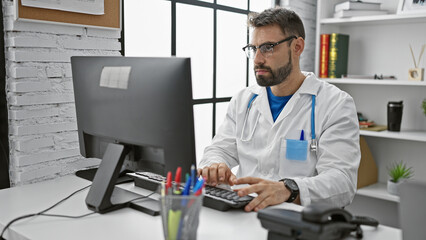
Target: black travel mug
(394, 116)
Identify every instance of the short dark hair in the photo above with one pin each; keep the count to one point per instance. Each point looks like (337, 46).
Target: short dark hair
(289, 22)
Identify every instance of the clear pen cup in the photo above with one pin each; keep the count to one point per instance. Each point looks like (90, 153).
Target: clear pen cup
(180, 216)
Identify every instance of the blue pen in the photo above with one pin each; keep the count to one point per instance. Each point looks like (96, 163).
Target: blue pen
(187, 187)
(198, 185)
(185, 194)
(302, 136)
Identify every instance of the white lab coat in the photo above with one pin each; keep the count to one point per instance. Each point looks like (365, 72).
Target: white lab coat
(328, 175)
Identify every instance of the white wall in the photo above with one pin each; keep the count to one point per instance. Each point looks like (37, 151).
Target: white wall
(307, 11)
(42, 124)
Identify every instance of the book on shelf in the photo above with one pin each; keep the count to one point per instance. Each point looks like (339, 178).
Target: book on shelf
(356, 13)
(338, 55)
(376, 128)
(356, 5)
(371, 126)
(324, 49)
(366, 124)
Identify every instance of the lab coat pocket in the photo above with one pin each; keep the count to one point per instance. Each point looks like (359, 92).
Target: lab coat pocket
(296, 149)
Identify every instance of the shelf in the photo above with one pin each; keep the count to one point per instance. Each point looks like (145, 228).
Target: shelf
(374, 82)
(385, 19)
(411, 135)
(377, 190)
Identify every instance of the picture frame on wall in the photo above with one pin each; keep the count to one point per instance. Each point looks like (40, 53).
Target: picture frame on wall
(411, 7)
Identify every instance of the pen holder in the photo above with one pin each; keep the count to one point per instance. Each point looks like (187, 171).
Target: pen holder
(180, 216)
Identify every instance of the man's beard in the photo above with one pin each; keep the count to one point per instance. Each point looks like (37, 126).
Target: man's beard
(277, 76)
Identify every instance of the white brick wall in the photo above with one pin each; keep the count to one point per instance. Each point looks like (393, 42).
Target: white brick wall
(307, 11)
(42, 123)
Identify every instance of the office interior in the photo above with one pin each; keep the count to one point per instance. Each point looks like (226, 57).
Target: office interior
(38, 132)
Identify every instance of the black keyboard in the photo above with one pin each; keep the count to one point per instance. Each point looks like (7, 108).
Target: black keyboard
(214, 197)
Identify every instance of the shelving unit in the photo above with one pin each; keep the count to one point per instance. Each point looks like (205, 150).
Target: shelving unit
(380, 45)
(389, 18)
(404, 135)
(378, 190)
(374, 82)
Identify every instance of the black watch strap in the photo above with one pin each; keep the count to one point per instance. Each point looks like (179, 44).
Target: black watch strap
(291, 185)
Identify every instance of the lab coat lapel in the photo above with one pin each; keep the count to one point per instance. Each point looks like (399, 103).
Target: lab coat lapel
(288, 107)
(264, 108)
(309, 86)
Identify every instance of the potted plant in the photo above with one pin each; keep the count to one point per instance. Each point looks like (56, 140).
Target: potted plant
(424, 106)
(398, 172)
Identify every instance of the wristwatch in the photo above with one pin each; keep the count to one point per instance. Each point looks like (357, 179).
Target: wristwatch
(291, 185)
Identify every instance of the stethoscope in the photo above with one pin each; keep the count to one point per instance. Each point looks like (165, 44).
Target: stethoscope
(313, 146)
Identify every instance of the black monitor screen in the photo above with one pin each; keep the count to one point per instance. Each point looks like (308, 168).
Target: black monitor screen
(144, 104)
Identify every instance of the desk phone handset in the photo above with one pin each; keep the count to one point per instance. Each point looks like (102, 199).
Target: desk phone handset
(322, 213)
(316, 221)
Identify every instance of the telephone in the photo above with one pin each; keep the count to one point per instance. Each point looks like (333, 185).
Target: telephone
(316, 221)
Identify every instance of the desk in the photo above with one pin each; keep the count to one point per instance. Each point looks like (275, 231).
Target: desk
(124, 223)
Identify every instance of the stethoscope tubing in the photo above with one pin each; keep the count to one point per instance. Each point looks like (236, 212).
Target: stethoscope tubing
(313, 146)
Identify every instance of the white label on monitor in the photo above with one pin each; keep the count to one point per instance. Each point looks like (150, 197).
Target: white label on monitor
(115, 77)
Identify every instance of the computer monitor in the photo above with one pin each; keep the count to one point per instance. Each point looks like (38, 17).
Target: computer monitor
(133, 107)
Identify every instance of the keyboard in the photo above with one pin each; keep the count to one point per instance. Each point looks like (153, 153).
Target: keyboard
(214, 197)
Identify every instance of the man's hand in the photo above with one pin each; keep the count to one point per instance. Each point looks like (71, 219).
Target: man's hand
(217, 173)
(268, 192)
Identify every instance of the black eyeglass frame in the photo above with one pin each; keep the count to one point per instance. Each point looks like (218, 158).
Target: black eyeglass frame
(272, 45)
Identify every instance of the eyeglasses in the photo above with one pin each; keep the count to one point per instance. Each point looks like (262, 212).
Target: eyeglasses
(266, 49)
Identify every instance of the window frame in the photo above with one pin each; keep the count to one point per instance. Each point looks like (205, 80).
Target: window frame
(214, 100)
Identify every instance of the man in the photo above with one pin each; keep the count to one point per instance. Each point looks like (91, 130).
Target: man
(283, 151)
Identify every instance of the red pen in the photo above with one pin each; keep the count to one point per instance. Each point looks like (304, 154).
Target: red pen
(198, 193)
(177, 176)
(169, 182)
(176, 189)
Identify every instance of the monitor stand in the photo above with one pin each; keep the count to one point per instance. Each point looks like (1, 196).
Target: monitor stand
(104, 197)
(89, 174)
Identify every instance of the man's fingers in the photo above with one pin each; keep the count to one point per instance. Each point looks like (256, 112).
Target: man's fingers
(249, 180)
(255, 202)
(205, 173)
(250, 189)
(213, 174)
(218, 173)
(222, 172)
(232, 180)
(263, 204)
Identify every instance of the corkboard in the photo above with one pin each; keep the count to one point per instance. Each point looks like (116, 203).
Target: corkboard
(111, 18)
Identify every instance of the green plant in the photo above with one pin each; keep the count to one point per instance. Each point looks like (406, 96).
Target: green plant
(399, 171)
(424, 106)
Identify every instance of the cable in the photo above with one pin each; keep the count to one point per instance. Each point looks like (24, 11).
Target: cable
(42, 213)
(56, 204)
(66, 216)
(141, 197)
(125, 204)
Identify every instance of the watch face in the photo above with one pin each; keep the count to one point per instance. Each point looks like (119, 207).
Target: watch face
(291, 184)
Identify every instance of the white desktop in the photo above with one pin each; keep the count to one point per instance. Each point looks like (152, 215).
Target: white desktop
(124, 223)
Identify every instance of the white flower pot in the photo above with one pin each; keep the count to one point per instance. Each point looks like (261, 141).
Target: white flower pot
(393, 187)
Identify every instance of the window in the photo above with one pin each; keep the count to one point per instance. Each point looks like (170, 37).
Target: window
(211, 33)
